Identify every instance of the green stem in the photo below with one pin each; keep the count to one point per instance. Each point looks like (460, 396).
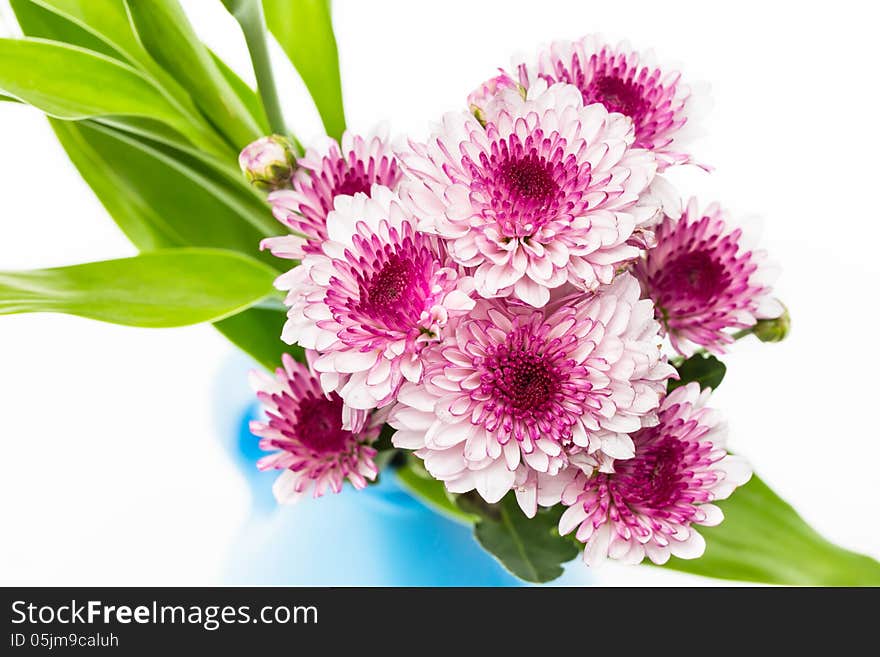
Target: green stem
(250, 16)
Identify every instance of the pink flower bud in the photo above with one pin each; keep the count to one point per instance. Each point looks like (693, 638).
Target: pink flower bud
(486, 92)
(268, 163)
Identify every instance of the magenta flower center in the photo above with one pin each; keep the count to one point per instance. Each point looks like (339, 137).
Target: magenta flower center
(520, 381)
(382, 291)
(639, 93)
(696, 276)
(653, 478)
(522, 185)
(529, 179)
(351, 175)
(394, 293)
(617, 95)
(318, 424)
(390, 283)
(354, 181)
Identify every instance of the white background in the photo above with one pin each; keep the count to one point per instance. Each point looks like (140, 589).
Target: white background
(110, 469)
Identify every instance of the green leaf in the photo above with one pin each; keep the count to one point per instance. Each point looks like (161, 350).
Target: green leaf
(763, 539)
(304, 30)
(104, 28)
(246, 95)
(177, 287)
(530, 548)
(106, 20)
(38, 21)
(705, 369)
(257, 332)
(166, 33)
(431, 492)
(69, 82)
(132, 179)
(159, 199)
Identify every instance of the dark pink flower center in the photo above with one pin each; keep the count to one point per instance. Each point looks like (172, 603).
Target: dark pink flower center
(318, 424)
(390, 284)
(639, 93)
(529, 179)
(521, 381)
(394, 293)
(695, 276)
(354, 181)
(617, 95)
(653, 478)
(522, 185)
(338, 175)
(382, 290)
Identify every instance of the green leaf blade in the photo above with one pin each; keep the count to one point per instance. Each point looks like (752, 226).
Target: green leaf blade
(167, 35)
(72, 83)
(705, 369)
(132, 179)
(304, 29)
(763, 539)
(530, 548)
(160, 289)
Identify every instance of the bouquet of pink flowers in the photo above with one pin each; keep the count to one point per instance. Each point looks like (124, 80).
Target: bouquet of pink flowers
(517, 315)
(500, 295)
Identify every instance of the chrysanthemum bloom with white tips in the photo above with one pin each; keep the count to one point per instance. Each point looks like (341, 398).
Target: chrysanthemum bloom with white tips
(513, 386)
(304, 425)
(704, 282)
(662, 108)
(647, 507)
(370, 302)
(546, 193)
(322, 173)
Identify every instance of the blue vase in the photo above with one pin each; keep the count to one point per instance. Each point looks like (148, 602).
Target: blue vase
(381, 536)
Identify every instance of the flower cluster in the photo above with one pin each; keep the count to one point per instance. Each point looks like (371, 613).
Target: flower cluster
(506, 295)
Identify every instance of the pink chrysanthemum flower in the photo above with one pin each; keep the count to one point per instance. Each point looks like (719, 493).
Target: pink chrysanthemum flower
(370, 302)
(649, 504)
(515, 386)
(704, 282)
(304, 425)
(322, 174)
(624, 81)
(546, 193)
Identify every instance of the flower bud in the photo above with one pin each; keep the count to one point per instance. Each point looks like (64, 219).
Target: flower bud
(773, 330)
(268, 163)
(480, 97)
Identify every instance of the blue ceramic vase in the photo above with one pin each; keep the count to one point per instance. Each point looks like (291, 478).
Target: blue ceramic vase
(381, 536)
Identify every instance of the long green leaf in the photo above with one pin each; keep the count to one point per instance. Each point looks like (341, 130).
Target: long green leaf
(106, 20)
(304, 30)
(69, 82)
(246, 95)
(432, 492)
(133, 186)
(166, 33)
(177, 287)
(104, 27)
(763, 539)
(38, 21)
(160, 201)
